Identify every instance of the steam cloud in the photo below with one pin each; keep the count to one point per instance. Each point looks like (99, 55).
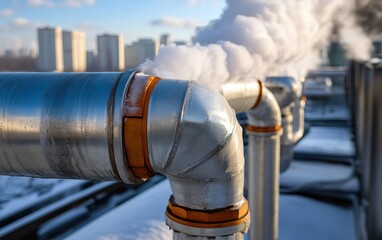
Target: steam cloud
(256, 38)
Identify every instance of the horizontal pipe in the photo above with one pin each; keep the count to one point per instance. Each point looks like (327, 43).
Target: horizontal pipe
(127, 127)
(66, 125)
(241, 96)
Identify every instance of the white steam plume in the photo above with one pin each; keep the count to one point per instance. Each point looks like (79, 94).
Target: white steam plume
(255, 38)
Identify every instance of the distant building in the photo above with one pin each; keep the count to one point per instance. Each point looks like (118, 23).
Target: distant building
(165, 39)
(146, 49)
(180, 43)
(74, 51)
(131, 56)
(9, 53)
(25, 53)
(50, 57)
(111, 53)
(337, 54)
(90, 61)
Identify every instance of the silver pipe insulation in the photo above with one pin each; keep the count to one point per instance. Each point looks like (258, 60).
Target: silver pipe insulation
(126, 126)
(264, 130)
(287, 91)
(241, 96)
(264, 133)
(299, 119)
(63, 125)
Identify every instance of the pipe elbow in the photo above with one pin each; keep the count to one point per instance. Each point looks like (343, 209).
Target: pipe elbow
(285, 89)
(299, 116)
(267, 114)
(199, 149)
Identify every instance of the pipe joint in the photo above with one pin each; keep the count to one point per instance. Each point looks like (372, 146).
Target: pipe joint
(285, 89)
(267, 115)
(195, 140)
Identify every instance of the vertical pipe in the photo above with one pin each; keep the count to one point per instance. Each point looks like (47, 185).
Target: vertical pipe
(287, 139)
(264, 131)
(263, 184)
(299, 119)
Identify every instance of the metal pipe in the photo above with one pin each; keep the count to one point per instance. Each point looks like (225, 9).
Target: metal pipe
(299, 119)
(264, 132)
(241, 96)
(127, 127)
(63, 125)
(286, 91)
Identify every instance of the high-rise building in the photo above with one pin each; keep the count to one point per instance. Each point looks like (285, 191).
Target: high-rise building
(131, 56)
(9, 53)
(90, 61)
(146, 49)
(165, 39)
(26, 53)
(74, 51)
(180, 43)
(111, 53)
(50, 57)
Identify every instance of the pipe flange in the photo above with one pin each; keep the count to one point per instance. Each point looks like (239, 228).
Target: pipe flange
(135, 125)
(219, 222)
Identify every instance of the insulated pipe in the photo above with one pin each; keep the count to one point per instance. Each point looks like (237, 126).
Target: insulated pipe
(63, 125)
(286, 91)
(264, 119)
(241, 96)
(264, 132)
(127, 127)
(299, 119)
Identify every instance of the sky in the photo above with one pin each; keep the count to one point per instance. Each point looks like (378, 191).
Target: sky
(134, 19)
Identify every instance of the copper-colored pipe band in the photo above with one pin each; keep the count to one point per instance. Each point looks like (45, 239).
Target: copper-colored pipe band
(275, 128)
(135, 125)
(208, 218)
(257, 103)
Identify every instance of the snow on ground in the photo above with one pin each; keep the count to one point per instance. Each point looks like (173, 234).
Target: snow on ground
(18, 193)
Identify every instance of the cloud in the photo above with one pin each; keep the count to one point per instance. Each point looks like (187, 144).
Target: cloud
(78, 3)
(192, 2)
(23, 22)
(61, 3)
(40, 3)
(6, 12)
(174, 22)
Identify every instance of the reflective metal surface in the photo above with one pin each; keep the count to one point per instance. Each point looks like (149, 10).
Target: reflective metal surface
(264, 168)
(267, 113)
(287, 139)
(263, 184)
(241, 96)
(61, 125)
(287, 91)
(195, 140)
(298, 119)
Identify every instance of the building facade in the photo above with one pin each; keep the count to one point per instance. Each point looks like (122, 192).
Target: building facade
(146, 49)
(74, 51)
(165, 39)
(111, 52)
(131, 57)
(50, 57)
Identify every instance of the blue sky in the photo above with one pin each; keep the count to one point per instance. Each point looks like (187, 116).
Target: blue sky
(134, 19)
